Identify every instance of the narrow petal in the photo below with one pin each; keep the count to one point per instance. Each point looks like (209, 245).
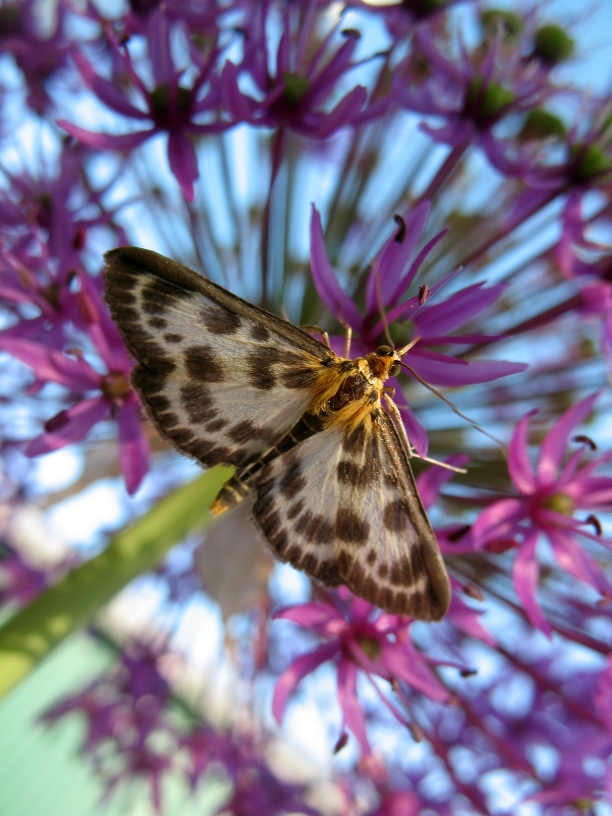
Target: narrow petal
(519, 466)
(555, 442)
(498, 520)
(105, 90)
(342, 114)
(349, 703)
(106, 141)
(525, 574)
(435, 477)
(571, 557)
(451, 374)
(324, 279)
(133, 446)
(291, 677)
(75, 424)
(51, 365)
(441, 318)
(407, 664)
(183, 162)
(416, 433)
(316, 616)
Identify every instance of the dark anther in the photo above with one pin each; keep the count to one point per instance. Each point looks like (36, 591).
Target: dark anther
(424, 293)
(401, 232)
(468, 672)
(581, 439)
(595, 524)
(472, 591)
(342, 740)
(457, 534)
(351, 32)
(384, 351)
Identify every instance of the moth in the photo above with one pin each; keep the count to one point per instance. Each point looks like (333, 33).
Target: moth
(316, 436)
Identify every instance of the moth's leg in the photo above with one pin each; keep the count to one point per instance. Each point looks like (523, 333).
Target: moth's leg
(348, 334)
(410, 451)
(318, 330)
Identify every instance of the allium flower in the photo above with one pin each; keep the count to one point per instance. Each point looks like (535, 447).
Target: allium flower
(102, 395)
(172, 107)
(296, 91)
(357, 641)
(545, 505)
(424, 315)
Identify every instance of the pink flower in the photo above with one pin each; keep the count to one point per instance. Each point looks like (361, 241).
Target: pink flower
(101, 395)
(424, 315)
(545, 503)
(358, 640)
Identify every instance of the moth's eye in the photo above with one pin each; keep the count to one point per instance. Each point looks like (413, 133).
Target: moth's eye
(384, 351)
(395, 370)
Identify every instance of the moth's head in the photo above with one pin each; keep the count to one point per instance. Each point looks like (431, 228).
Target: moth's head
(388, 361)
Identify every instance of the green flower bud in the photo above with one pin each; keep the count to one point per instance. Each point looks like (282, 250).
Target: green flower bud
(590, 161)
(552, 44)
(511, 23)
(541, 124)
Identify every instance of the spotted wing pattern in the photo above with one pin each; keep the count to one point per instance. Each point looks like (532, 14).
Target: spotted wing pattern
(343, 507)
(222, 379)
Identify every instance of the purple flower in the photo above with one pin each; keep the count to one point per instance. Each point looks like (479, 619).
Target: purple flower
(424, 315)
(471, 92)
(358, 640)
(38, 57)
(101, 395)
(295, 93)
(172, 107)
(545, 504)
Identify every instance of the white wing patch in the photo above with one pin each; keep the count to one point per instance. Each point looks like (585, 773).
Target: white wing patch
(219, 379)
(344, 508)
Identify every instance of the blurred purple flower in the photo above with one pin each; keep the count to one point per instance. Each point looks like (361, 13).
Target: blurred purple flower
(39, 57)
(357, 640)
(391, 273)
(295, 91)
(114, 399)
(173, 108)
(546, 502)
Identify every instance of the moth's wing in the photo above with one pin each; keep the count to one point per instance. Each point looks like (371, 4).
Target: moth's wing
(344, 508)
(222, 379)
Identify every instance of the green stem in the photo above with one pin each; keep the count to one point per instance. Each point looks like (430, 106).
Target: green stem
(32, 633)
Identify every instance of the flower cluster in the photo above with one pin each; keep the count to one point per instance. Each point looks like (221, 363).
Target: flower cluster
(425, 172)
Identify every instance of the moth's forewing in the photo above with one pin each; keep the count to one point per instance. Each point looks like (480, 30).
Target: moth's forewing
(222, 379)
(344, 508)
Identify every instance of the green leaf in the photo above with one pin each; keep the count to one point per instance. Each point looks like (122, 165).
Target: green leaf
(34, 631)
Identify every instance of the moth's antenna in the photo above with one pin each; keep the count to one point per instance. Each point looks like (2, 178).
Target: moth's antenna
(453, 407)
(381, 308)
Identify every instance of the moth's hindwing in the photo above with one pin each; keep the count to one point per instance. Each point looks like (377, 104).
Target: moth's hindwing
(344, 508)
(222, 379)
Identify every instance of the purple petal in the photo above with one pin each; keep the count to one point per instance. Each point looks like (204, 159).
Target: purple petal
(311, 615)
(133, 446)
(106, 141)
(416, 433)
(349, 703)
(415, 265)
(498, 520)
(461, 307)
(75, 424)
(52, 365)
(343, 113)
(296, 672)
(406, 664)
(525, 574)
(430, 482)
(394, 257)
(235, 102)
(519, 466)
(555, 442)
(105, 90)
(338, 303)
(451, 374)
(467, 620)
(183, 162)
(571, 557)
